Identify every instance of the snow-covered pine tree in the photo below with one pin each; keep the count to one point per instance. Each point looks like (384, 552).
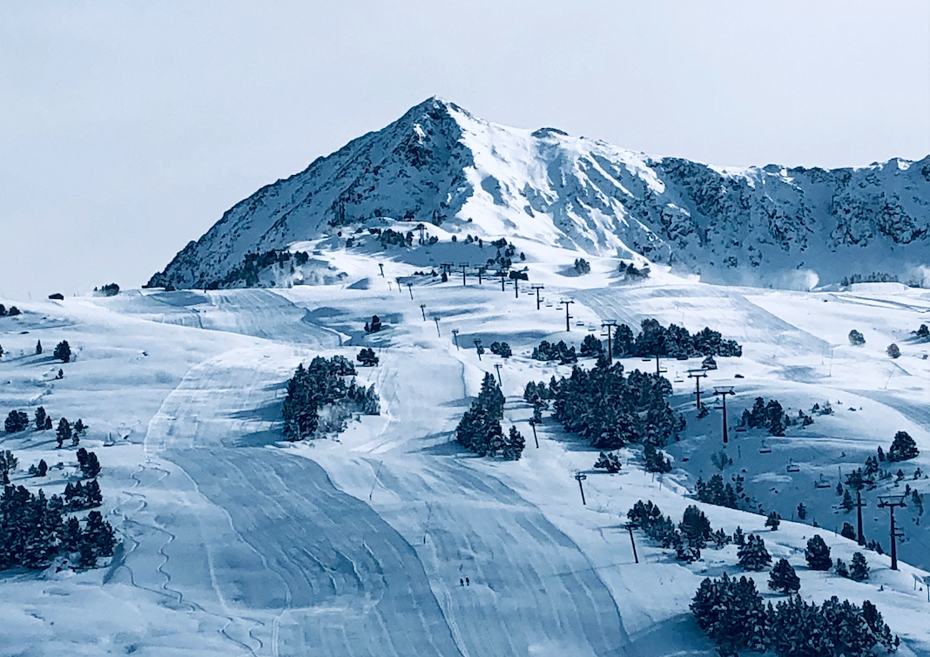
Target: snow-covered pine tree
(608, 461)
(695, 527)
(902, 447)
(513, 445)
(783, 578)
(817, 554)
(858, 568)
(753, 555)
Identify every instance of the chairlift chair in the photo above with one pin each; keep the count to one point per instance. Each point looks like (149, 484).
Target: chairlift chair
(765, 449)
(822, 483)
(792, 466)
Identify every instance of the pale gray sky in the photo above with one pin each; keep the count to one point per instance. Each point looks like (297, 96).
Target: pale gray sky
(127, 129)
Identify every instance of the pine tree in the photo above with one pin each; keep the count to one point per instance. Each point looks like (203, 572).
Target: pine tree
(817, 554)
(591, 347)
(802, 511)
(71, 535)
(608, 461)
(16, 421)
(8, 463)
(847, 503)
(841, 569)
(38, 347)
(695, 527)
(848, 531)
(739, 538)
(64, 431)
(903, 447)
(858, 568)
(42, 468)
(783, 578)
(99, 533)
(63, 351)
(87, 555)
(40, 418)
(773, 521)
(513, 446)
(90, 468)
(753, 555)
(655, 460)
(623, 341)
(756, 417)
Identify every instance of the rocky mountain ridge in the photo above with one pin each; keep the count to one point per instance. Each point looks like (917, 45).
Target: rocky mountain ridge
(440, 165)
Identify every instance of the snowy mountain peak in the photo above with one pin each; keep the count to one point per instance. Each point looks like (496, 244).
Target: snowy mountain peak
(440, 164)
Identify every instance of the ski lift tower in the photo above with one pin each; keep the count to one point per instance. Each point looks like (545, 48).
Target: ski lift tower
(609, 324)
(568, 326)
(538, 287)
(890, 502)
(722, 393)
(697, 375)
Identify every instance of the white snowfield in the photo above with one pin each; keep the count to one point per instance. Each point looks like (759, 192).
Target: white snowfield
(237, 543)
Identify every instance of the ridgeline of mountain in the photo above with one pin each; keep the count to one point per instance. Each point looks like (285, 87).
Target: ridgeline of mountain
(440, 165)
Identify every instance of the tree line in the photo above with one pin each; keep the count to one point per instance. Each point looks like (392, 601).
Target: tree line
(674, 341)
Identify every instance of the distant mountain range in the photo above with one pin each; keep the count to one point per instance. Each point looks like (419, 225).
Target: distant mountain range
(440, 165)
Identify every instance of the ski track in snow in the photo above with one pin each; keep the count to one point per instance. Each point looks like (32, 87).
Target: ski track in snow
(328, 573)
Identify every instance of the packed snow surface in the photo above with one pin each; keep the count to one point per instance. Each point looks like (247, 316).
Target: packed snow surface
(237, 543)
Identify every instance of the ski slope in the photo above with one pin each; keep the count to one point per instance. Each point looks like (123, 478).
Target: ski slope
(236, 543)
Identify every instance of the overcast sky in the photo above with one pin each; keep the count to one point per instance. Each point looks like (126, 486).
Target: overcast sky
(127, 129)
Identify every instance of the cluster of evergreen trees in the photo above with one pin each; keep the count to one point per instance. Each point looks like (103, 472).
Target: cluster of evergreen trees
(732, 614)
(558, 351)
(631, 273)
(611, 410)
(672, 342)
(501, 349)
(591, 347)
(770, 416)
(33, 529)
(874, 277)
(367, 357)
(715, 491)
(12, 312)
(480, 430)
(687, 538)
(319, 400)
(63, 351)
(248, 270)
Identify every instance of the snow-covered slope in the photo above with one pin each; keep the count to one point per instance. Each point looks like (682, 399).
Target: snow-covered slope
(440, 165)
(236, 543)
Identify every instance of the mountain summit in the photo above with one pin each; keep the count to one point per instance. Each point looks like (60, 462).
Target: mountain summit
(438, 164)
